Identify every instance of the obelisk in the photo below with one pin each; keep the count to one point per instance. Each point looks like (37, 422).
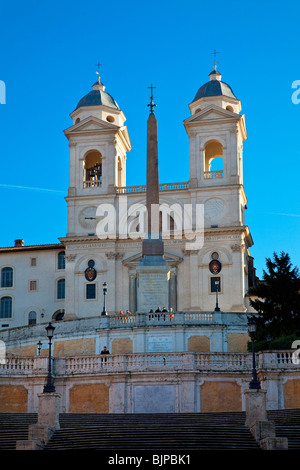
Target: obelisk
(153, 271)
(153, 244)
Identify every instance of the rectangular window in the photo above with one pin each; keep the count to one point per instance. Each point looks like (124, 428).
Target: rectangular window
(61, 289)
(32, 286)
(215, 283)
(7, 277)
(61, 260)
(32, 261)
(90, 291)
(6, 307)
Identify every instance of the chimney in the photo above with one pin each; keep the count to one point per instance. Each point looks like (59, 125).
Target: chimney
(19, 242)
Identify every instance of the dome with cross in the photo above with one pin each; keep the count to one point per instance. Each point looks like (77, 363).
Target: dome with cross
(215, 87)
(97, 97)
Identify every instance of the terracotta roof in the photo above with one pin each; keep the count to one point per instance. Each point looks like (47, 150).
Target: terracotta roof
(53, 246)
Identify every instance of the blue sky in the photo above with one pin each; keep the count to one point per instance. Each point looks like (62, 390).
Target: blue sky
(47, 61)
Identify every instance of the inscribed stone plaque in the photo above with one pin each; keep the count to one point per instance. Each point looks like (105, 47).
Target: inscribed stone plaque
(153, 291)
(154, 399)
(160, 344)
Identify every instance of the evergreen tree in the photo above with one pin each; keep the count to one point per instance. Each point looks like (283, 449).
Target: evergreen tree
(278, 302)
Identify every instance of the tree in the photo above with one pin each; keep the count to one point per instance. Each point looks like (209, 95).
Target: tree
(278, 299)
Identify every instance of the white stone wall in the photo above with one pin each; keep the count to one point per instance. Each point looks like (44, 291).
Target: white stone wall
(46, 273)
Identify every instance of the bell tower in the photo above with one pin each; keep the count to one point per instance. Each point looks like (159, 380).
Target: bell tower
(216, 130)
(98, 144)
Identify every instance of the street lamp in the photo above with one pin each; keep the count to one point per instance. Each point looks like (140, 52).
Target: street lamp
(217, 283)
(255, 383)
(104, 312)
(49, 387)
(39, 346)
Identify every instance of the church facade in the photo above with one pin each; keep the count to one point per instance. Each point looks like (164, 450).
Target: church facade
(216, 259)
(190, 350)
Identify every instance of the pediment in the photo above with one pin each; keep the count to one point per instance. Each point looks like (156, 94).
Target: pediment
(134, 260)
(212, 112)
(90, 124)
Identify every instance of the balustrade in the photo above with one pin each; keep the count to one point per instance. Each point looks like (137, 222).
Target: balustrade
(146, 362)
(143, 188)
(213, 174)
(92, 184)
(159, 318)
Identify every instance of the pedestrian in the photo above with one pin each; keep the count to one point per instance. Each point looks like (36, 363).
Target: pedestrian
(105, 350)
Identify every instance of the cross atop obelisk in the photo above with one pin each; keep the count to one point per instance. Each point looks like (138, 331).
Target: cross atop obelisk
(151, 104)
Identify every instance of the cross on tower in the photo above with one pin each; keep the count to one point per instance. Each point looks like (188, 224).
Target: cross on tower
(151, 105)
(214, 54)
(98, 73)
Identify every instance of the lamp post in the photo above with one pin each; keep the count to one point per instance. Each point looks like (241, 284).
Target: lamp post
(49, 387)
(255, 383)
(217, 283)
(39, 346)
(104, 312)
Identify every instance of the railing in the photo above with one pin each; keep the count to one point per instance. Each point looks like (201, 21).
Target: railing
(23, 365)
(146, 362)
(223, 361)
(143, 188)
(213, 174)
(284, 357)
(92, 184)
(18, 364)
(159, 318)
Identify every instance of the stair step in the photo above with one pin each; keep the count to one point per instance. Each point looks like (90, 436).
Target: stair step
(150, 432)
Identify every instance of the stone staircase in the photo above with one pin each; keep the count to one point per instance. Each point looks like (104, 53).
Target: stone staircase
(176, 433)
(287, 424)
(13, 427)
(153, 432)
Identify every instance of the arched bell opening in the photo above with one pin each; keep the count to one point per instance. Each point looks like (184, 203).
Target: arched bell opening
(93, 169)
(213, 160)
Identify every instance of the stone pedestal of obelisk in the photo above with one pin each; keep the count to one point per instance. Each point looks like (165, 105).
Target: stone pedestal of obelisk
(153, 272)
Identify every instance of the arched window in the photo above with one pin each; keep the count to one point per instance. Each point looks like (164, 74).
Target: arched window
(6, 307)
(213, 163)
(7, 277)
(58, 315)
(61, 289)
(61, 260)
(93, 169)
(32, 318)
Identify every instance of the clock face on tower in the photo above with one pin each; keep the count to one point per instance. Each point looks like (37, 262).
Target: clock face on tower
(87, 217)
(214, 210)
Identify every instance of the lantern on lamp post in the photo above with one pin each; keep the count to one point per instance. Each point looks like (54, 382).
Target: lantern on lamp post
(49, 387)
(104, 312)
(255, 383)
(217, 284)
